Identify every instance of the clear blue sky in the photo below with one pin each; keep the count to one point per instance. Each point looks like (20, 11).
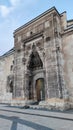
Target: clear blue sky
(15, 13)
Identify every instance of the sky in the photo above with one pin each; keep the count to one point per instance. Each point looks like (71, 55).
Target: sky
(15, 13)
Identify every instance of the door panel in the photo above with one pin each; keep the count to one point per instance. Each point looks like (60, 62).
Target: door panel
(40, 90)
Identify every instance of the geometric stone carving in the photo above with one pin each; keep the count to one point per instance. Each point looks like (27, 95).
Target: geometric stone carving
(34, 61)
(24, 60)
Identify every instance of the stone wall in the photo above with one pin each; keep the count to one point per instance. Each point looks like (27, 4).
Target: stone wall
(6, 63)
(44, 33)
(67, 43)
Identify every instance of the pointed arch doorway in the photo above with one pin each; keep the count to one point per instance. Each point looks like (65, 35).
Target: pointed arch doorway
(35, 67)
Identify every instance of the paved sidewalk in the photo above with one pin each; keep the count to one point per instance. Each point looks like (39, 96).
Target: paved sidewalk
(67, 115)
(14, 118)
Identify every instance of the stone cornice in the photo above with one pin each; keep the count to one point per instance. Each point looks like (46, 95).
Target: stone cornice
(67, 31)
(38, 17)
(10, 52)
(32, 37)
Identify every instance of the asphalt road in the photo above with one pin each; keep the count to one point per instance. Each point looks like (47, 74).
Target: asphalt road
(12, 118)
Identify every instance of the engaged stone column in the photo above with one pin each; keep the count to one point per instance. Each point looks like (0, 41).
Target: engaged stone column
(26, 86)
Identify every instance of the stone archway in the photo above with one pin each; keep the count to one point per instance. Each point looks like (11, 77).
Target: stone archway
(35, 61)
(34, 65)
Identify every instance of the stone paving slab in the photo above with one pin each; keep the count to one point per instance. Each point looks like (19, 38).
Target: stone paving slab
(53, 114)
(66, 116)
(13, 118)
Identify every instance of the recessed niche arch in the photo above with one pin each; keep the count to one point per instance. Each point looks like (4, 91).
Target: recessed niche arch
(35, 64)
(11, 87)
(10, 81)
(35, 61)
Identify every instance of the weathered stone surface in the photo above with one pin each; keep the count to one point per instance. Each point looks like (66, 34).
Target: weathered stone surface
(43, 59)
(6, 69)
(55, 104)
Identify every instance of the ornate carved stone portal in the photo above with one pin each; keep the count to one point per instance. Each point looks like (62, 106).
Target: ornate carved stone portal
(36, 90)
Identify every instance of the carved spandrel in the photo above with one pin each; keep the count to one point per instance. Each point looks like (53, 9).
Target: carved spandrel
(26, 53)
(40, 45)
(28, 47)
(40, 48)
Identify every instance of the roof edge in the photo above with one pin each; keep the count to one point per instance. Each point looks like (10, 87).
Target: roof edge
(36, 18)
(71, 20)
(7, 53)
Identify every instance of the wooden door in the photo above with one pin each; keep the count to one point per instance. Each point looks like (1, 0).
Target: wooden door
(40, 90)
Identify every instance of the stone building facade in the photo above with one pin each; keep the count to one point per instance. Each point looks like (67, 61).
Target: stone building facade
(6, 76)
(42, 67)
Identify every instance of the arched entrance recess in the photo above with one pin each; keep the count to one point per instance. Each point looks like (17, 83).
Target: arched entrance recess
(36, 87)
(35, 61)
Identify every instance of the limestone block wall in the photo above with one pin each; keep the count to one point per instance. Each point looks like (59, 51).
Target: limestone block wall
(18, 75)
(2, 76)
(48, 28)
(5, 70)
(24, 39)
(67, 43)
(63, 20)
(53, 61)
(42, 33)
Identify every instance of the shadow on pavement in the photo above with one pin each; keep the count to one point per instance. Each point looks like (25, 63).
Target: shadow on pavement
(14, 123)
(34, 114)
(15, 120)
